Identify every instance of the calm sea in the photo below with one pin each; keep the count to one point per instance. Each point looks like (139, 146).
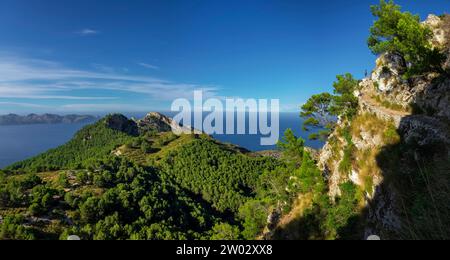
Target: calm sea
(21, 142)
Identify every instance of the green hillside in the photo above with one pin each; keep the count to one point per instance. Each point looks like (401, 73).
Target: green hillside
(93, 141)
(110, 183)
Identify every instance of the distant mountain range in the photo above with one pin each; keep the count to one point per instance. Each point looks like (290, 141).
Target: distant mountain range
(13, 119)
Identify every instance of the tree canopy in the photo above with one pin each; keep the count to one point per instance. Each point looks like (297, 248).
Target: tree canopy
(401, 32)
(322, 110)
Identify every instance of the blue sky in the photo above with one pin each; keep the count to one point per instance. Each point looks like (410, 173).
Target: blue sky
(126, 56)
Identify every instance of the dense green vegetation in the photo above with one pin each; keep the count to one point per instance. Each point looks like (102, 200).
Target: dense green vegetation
(194, 191)
(125, 202)
(224, 178)
(197, 189)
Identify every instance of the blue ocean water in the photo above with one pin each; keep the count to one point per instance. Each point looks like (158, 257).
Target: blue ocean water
(21, 142)
(290, 120)
(252, 142)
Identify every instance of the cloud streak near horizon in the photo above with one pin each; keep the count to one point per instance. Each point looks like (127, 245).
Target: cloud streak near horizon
(35, 79)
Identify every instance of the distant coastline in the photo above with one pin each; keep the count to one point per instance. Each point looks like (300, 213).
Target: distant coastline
(33, 119)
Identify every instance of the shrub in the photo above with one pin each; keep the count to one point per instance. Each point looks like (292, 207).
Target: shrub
(63, 180)
(12, 228)
(225, 231)
(146, 147)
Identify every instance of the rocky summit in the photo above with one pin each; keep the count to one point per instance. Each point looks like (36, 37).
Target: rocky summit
(158, 122)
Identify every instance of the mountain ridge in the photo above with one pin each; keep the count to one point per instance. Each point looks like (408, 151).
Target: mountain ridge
(14, 119)
(150, 184)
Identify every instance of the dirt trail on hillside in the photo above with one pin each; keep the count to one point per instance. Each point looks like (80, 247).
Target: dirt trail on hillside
(367, 98)
(369, 104)
(406, 119)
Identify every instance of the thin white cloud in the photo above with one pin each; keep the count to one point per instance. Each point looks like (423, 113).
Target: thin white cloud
(32, 79)
(87, 32)
(20, 104)
(37, 97)
(42, 79)
(19, 69)
(100, 108)
(148, 66)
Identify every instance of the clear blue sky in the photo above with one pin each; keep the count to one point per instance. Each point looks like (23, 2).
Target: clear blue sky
(119, 56)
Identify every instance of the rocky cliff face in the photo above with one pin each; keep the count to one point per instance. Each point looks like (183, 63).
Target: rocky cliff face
(397, 149)
(429, 93)
(441, 29)
(152, 122)
(155, 121)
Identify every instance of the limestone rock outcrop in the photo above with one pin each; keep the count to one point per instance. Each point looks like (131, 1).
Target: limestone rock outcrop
(387, 74)
(419, 121)
(158, 122)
